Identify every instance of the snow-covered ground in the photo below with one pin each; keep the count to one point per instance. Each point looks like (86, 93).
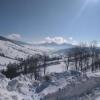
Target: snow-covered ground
(68, 85)
(61, 84)
(19, 88)
(5, 61)
(10, 52)
(56, 68)
(73, 86)
(13, 50)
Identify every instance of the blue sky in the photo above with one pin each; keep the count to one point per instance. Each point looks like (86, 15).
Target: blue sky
(34, 20)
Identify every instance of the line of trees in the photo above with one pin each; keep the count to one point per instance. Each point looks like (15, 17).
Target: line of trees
(31, 65)
(84, 57)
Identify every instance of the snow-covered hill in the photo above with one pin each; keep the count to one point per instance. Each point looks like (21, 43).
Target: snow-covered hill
(59, 84)
(13, 51)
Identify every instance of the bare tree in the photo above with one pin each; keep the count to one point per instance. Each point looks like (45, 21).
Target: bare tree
(93, 54)
(45, 59)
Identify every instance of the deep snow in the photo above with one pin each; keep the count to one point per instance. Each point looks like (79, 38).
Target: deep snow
(68, 85)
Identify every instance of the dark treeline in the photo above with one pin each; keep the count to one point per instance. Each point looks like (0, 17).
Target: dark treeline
(31, 65)
(84, 57)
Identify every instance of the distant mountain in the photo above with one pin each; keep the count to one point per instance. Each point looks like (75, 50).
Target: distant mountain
(56, 46)
(13, 41)
(49, 45)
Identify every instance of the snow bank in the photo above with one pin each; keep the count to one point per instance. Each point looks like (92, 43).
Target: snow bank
(76, 88)
(20, 88)
(71, 85)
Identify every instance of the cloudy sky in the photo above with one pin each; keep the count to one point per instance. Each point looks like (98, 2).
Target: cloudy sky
(50, 20)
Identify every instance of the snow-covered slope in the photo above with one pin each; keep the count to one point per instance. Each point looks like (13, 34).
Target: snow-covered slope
(12, 51)
(19, 88)
(69, 85)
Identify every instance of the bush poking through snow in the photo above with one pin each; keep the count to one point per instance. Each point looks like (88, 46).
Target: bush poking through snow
(47, 78)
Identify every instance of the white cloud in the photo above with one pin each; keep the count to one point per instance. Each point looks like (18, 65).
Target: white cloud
(59, 40)
(70, 38)
(14, 36)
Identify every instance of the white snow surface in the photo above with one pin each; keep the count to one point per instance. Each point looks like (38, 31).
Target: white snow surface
(24, 87)
(19, 88)
(13, 51)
